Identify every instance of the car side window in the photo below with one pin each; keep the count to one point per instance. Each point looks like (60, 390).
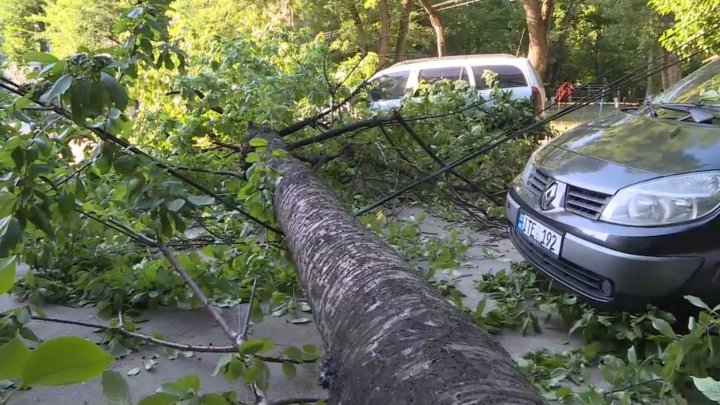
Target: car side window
(508, 76)
(451, 73)
(389, 86)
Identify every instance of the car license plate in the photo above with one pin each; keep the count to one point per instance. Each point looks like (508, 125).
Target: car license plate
(539, 234)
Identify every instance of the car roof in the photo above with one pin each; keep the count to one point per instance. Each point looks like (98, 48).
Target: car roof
(459, 57)
(493, 58)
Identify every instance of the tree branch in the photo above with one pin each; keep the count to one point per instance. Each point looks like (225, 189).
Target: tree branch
(234, 337)
(364, 124)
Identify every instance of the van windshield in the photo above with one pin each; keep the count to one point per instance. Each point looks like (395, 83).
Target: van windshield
(700, 87)
(389, 86)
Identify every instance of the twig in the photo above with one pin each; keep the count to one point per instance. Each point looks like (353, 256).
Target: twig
(209, 171)
(234, 337)
(160, 342)
(246, 325)
(290, 401)
(364, 124)
(75, 173)
(135, 335)
(118, 227)
(429, 150)
(627, 387)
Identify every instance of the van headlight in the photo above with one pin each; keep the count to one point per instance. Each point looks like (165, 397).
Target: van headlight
(665, 201)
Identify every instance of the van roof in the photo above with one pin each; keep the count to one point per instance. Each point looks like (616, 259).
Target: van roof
(457, 57)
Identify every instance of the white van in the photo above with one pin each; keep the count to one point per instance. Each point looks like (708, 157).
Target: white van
(516, 74)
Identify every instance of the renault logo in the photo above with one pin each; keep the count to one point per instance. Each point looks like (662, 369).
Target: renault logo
(548, 196)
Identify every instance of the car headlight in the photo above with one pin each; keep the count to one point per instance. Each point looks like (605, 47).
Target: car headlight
(665, 201)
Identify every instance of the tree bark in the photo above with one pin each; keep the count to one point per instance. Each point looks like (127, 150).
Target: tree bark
(389, 336)
(384, 43)
(403, 31)
(538, 14)
(671, 72)
(437, 25)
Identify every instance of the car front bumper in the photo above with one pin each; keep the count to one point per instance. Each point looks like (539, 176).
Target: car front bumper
(604, 276)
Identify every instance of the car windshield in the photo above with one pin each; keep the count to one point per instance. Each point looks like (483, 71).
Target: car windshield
(700, 87)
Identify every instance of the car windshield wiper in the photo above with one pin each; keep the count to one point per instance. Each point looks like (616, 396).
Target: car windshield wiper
(701, 113)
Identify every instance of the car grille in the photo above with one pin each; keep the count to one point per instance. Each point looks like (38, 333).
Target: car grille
(537, 181)
(585, 202)
(572, 276)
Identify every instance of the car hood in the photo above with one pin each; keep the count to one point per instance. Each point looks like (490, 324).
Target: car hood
(647, 144)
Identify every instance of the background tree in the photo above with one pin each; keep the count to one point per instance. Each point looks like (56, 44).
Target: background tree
(539, 17)
(437, 25)
(19, 28)
(74, 24)
(696, 24)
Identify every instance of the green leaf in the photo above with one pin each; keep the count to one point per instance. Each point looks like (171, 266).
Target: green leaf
(663, 327)
(252, 157)
(697, 302)
(14, 354)
(289, 370)
(294, 353)
(66, 203)
(201, 200)
(214, 399)
(178, 388)
(709, 387)
(80, 101)
(58, 88)
(262, 374)
(258, 142)
(64, 360)
(159, 399)
(10, 234)
(42, 57)
(251, 346)
(7, 275)
(115, 90)
(175, 205)
(115, 389)
(125, 165)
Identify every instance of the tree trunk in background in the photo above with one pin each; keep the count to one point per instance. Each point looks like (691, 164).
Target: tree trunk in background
(437, 25)
(403, 31)
(538, 14)
(390, 337)
(649, 91)
(670, 74)
(384, 43)
(359, 26)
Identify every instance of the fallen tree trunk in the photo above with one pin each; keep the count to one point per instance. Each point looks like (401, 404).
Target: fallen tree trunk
(390, 337)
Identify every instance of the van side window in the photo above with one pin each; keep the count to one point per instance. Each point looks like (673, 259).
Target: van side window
(390, 86)
(451, 73)
(508, 76)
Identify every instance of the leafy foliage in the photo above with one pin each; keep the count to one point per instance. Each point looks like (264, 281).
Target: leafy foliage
(640, 356)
